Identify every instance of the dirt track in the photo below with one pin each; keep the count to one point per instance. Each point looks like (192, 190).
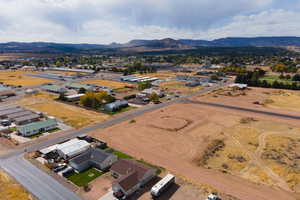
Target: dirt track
(175, 150)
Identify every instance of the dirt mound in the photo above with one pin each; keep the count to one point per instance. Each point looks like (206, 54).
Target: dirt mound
(169, 123)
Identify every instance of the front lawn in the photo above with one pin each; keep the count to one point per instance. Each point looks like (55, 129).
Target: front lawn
(121, 155)
(83, 178)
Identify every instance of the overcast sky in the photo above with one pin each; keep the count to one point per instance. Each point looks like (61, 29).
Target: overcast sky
(106, 21)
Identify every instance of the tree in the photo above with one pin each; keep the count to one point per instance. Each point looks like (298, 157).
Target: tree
(154, 97)
(82, 91)
(214, 77)
(144, 85)
(296, 77)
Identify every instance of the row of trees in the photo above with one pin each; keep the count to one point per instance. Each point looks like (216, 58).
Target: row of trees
(253, 79)
(96, 99)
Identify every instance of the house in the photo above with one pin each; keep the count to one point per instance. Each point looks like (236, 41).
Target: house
(115, 106)
(95, 158)
(149, 91)
(55, 89)
(72, 148)
(37, 127)
(130, 176)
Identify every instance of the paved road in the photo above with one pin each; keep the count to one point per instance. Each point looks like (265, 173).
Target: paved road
(244, 109)
(35, 181)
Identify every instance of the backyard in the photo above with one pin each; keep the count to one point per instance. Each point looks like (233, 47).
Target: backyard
(83, 178)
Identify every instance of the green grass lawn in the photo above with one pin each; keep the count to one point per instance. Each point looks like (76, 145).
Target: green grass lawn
(270, 78)
(36, 136)
(83, 178)
(122, 155)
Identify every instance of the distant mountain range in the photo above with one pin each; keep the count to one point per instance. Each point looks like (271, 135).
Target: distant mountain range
(150, 45)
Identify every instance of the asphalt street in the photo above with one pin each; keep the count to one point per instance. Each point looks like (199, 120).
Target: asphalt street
(41, 185)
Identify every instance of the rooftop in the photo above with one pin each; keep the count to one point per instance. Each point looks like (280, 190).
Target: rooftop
(37, 125)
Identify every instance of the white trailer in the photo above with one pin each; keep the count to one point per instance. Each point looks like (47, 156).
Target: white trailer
(162, 185)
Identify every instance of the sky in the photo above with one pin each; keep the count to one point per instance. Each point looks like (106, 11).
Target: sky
(107, 21)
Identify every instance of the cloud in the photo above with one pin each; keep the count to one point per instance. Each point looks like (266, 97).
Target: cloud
(105, 21)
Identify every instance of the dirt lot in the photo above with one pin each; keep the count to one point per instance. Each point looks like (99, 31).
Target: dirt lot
(10, 190)
(107, 83)
(71, 115)
(257, 98)
(187, 138)
(178, 87)
(17, 78)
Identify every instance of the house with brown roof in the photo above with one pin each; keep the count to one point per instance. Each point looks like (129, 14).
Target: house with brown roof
(130, 175)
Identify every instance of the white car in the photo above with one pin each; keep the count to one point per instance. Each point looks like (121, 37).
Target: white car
(213, 197)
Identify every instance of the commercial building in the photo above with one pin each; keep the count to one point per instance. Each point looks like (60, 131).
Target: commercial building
(130, 176)
(37, 127)
(96, 158)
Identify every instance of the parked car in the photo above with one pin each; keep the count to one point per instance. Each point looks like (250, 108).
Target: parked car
(59, 168)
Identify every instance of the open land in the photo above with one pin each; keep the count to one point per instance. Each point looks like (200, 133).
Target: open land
(209, 145)
(17, 78)
(107, 83)
(74, 116)
(10, 190)
(179, 87)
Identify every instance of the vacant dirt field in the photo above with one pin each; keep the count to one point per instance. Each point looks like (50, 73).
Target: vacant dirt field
(180, 137)
(107, 83)
(10, 190)
(165, 74)
(179, 87)
(17, 78)
(71, 115)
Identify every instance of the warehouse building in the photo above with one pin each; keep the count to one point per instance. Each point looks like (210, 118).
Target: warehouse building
(5, 113)
(11, 117)
(37, 127)
(26, 119)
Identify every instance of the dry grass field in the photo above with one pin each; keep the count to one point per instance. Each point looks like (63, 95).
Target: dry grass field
(10, 190)
(17, 78)
(284, 100)
(179, 87)
(206, 145)
(71, 115)
(166, 74)
(107, 83)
